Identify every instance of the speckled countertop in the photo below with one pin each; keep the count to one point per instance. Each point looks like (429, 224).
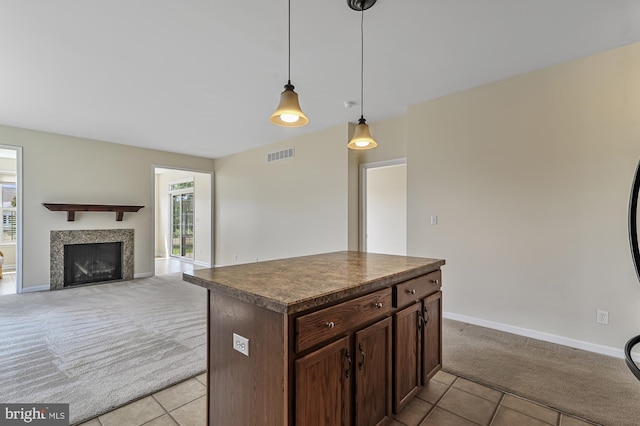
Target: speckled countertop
(299, 283)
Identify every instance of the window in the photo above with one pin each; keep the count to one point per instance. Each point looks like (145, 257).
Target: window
(182, 215)
(9, 201)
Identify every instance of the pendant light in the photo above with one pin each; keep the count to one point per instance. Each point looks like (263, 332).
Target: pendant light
(361, 137)
(289, 113)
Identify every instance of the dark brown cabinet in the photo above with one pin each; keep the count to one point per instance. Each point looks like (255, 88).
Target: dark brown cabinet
(346, 339)
(431, 336)
(417, 336)
(373, 374)
(323, 385)
(349, 379)
(406, 344)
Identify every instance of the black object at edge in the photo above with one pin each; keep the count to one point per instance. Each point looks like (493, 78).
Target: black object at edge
(633, 221)
(627, 353)
(360, 5)
(635, 253)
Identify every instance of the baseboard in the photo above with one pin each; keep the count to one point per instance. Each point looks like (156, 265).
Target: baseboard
(200, 263)
(36, 288)
(547, 337)
(142, 275)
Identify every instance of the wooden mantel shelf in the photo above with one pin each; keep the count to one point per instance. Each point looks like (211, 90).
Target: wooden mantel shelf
(71, 209)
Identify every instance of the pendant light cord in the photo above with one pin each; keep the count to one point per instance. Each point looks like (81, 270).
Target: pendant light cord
(289, 59)
(361, 60)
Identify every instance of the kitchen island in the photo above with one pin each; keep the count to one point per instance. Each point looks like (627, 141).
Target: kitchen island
(331, 339)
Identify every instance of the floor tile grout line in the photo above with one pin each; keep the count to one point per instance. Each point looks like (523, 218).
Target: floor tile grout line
(444, 409)
(182, 405)
(495, 413)
(590, 422)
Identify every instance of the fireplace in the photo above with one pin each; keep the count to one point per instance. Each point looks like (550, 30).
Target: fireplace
(92, 263)
(90, 257)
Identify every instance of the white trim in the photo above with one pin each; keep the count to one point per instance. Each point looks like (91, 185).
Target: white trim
(362, 229)
(34, 289)
(143, 275)
(19, 219)
(547, 337)
(201, 263)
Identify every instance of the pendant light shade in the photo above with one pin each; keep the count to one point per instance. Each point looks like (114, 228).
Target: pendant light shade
(361, 139)
(289, 113)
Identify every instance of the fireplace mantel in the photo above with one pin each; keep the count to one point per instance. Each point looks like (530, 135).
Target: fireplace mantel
(71, 209)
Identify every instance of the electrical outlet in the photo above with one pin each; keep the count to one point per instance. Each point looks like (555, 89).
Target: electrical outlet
(602, 317)
(241, 344)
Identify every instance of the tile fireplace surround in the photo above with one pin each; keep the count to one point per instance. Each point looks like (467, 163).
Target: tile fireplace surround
(59, 239)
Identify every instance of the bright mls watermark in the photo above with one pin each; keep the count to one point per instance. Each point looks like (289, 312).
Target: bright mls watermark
(34, 414)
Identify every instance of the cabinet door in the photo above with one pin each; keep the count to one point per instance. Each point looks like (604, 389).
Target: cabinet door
(323, 391)
(406, 343)
(372, 364)
(432, 336)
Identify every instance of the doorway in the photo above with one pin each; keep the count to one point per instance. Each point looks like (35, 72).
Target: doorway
(383, 220)
(183, 226)
(11, 212)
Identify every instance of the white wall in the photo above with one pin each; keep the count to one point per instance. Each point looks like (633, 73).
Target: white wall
(65, 169)
(530, 178)
(386, 210)
(286, 208)
(203, 219)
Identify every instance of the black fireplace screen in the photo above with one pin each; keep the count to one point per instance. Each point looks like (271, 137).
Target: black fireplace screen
(90, 263)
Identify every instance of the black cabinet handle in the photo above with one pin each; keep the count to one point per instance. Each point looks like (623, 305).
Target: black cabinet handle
(349, 362)
(361, 363)
(426, 312)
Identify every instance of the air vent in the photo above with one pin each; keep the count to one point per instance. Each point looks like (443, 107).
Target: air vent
(281, 155)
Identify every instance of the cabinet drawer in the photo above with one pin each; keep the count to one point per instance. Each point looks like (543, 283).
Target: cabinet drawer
(417, 288)
(321, 325)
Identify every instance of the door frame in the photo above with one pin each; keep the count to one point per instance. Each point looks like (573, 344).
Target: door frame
(19, 213)
(153, 211)
(362, 229)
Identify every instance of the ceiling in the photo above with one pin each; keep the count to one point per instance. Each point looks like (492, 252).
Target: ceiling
(201, 77)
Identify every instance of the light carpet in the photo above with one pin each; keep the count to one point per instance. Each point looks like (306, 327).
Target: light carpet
(101, 346)
(588, 385)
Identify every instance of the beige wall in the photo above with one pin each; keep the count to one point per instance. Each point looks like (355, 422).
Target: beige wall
(391, 135)
(60, 168)
(286, 208)
(530, 178)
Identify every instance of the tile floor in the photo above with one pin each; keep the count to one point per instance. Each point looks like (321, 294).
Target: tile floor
(446, 401)
(169, 265)
(8, 282)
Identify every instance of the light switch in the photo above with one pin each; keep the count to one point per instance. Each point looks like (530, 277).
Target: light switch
(434, 219)
(241, 344)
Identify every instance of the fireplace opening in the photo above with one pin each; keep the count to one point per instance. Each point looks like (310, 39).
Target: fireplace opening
(92, 263)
